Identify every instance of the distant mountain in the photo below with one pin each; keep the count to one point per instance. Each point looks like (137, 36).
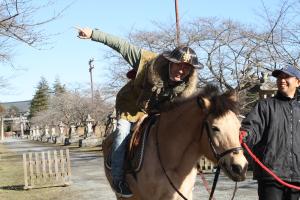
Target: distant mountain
(23, 106)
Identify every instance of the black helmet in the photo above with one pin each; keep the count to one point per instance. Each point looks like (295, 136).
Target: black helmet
(183, 54)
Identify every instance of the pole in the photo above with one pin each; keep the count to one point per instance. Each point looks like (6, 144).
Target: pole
(2, 128)
(177, 23)
(22, 126)
(91, 76)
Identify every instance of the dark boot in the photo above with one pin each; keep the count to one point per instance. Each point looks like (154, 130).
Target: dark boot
(122, 189)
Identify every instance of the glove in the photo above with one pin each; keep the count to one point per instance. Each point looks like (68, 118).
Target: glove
(242, 136)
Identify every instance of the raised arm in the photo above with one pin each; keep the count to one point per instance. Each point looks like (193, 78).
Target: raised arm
(130, 53)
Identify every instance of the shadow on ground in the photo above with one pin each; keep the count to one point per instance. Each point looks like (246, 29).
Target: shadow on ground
(12, 187)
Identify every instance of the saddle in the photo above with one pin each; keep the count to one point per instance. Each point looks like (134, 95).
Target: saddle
(136, 146)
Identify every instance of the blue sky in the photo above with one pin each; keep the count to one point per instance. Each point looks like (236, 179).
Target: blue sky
(67, 56)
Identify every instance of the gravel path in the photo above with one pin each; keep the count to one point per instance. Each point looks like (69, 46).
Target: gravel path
(89, 182)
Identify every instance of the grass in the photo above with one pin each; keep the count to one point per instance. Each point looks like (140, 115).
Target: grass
(12, 181)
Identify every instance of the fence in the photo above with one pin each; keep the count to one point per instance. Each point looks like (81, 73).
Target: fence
(46, 169)
(205, 165)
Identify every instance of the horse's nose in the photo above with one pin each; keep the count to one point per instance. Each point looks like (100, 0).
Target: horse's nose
(237, 169)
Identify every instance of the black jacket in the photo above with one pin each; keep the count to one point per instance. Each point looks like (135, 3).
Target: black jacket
(274, 136)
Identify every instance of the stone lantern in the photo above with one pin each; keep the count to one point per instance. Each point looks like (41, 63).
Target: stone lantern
(90, 138)
(60, 139)
(89, 124)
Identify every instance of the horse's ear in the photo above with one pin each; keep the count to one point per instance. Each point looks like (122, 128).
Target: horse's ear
(232, 95)
(203, 103)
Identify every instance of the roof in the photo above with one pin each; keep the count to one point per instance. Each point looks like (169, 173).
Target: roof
(23, 106)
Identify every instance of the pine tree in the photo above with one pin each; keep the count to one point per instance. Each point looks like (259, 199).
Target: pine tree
(58, 88)
(40, 100)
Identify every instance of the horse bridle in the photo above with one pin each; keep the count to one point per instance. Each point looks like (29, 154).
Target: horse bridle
(212, 144)
(218, 156)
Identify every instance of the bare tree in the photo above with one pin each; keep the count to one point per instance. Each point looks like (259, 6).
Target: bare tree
(19, 25)
(73, 108)
(234, 54)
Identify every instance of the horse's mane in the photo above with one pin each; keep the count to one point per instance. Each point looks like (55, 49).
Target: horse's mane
(220, 103)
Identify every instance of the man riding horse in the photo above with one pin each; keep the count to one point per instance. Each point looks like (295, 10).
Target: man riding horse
(160, 79)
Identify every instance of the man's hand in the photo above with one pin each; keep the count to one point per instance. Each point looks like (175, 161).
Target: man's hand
(242, 136)
(84, 33)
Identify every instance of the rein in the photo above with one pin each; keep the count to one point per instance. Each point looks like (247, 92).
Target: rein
(212, 144)
(265, 168)
(162, 166)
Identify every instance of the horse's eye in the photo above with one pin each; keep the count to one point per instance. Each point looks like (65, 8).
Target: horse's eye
(215, 129)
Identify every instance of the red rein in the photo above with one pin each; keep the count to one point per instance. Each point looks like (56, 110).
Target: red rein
(264, 167)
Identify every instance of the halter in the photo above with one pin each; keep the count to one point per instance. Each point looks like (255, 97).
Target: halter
(212, 144)
(217, 155)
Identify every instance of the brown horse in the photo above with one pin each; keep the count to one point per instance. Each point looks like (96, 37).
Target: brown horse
(205, 124)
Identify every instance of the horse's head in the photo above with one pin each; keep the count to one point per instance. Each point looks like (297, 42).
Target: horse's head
(222, 131)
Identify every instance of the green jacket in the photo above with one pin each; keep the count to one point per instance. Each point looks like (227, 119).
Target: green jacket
(126, 101)
(151, 89)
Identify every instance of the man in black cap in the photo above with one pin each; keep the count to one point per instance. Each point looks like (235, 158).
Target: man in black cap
(272, 130)
(160, 79)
